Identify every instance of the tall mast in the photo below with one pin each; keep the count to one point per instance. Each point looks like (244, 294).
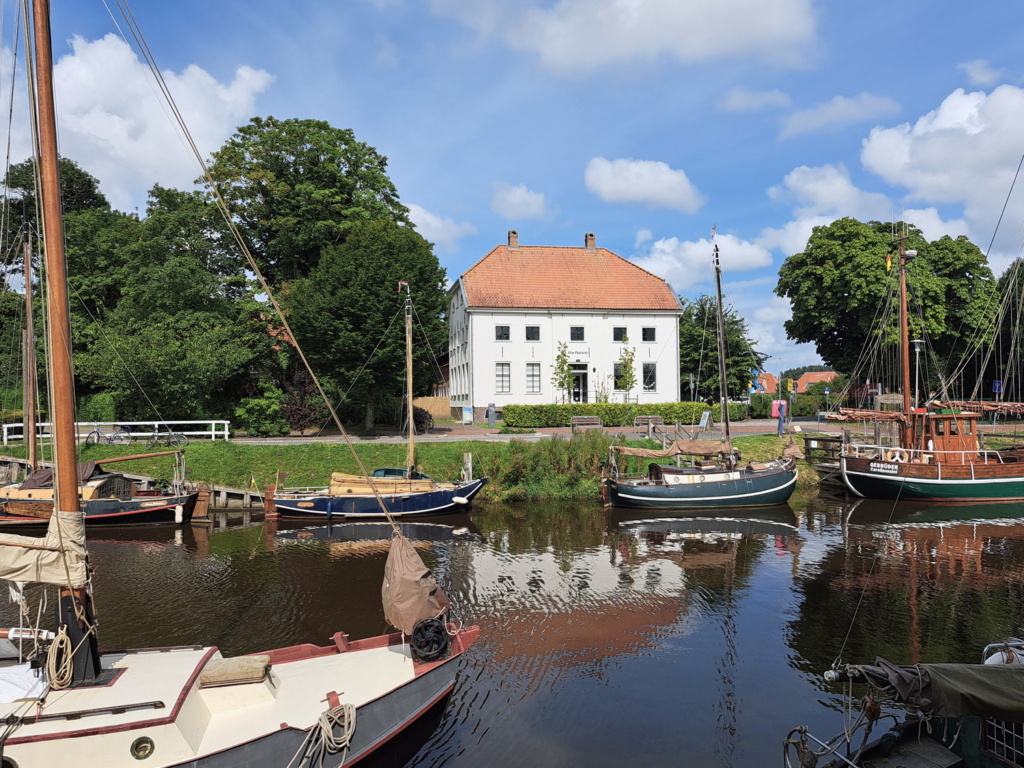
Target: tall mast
(59, 325)
(904, 327)
(408, 378)
(29, 399)
(723, 390)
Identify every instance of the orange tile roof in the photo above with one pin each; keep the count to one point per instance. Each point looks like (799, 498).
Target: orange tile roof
(769, 382)
(554, 277)
(813, 377)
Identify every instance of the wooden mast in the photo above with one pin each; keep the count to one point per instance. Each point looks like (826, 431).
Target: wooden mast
(723, 389)
(75, 602)
(411, 462)
(29, 372)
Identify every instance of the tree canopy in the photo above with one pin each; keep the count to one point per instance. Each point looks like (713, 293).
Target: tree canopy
(843, 297)
(299, 186)
(698, 349)
(348, 313)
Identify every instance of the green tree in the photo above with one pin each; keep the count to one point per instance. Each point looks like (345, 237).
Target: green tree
(296, 187)
(561, 373)
(842, 295)
(625, 370)
(698, 348)
(348, 314)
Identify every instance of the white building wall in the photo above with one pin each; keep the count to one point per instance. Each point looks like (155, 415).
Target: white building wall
(476, 353)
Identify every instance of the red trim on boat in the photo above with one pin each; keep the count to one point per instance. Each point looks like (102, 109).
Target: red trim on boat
(416, 716)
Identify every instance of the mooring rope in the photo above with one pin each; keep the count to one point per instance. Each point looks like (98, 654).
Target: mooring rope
(321, 740)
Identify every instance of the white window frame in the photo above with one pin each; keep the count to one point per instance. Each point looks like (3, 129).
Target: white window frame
(654, 334)
(508, 332)
(533, 378)
(503, 378)
(654, 370)
(526, 333)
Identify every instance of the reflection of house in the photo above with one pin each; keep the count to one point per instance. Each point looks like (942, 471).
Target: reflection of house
(509, 312)
(813, 377)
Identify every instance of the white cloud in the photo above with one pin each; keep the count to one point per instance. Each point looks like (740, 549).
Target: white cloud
(827, 190)
(517, 202)
(579, 36)
(646, 182)
(980, 73)
(966, 151)
(685, 264)
(113, 125)
(743, 100)
(444, 233)
(838, 112)
(643, 236)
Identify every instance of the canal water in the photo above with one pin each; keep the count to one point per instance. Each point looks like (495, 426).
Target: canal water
(606, 640)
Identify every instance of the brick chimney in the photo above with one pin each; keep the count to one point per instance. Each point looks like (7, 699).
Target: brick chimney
(513, 240)
(588, 241)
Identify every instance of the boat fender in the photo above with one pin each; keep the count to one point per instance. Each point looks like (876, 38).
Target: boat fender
(179, 514)
(896, 455)
(430, 640)
(460, 500)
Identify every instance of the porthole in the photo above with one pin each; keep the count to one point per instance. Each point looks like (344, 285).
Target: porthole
(8, 762)
(142, 748)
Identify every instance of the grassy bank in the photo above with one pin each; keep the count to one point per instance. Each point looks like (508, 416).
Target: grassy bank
(518, 470)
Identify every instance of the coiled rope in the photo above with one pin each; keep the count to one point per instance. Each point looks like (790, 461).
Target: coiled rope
(321, 740)
(60, 660)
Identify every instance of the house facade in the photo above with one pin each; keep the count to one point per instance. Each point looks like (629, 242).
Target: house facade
(509, 312)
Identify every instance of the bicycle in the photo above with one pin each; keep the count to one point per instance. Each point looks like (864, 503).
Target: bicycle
(170, 439)
(120, 436)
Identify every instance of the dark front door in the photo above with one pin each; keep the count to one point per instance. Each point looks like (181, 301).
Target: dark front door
(579, 383)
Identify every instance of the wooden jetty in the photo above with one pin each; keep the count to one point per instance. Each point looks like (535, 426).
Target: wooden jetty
(822, 453)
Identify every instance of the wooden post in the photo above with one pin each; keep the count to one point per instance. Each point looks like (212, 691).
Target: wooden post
(467, 466)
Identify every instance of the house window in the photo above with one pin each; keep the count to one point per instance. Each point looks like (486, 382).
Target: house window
(619, 334)
(649, 334)
(576, 333)
(501, 333)
(502, 378)
(617, 375)
(650, 377)
(533, 378)
(533, 333)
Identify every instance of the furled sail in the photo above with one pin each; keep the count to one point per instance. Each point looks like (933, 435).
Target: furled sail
(410, 592)
(59, 557)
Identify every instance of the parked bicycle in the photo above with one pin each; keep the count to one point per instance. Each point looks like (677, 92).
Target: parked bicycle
(169, 439)
(120, 436)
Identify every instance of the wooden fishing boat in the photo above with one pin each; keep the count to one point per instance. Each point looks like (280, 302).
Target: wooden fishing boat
(188, 706)
(716, 476)
(936, 455)
(403, 491)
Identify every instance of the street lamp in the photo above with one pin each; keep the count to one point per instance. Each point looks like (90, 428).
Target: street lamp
(917, 371)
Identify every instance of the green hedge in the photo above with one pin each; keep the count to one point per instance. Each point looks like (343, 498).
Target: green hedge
(803, 405)
(612, 414)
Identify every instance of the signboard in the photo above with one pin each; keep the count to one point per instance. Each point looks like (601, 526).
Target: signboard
(826, 390)
(705, 419)
(467, 415)
(997, 386)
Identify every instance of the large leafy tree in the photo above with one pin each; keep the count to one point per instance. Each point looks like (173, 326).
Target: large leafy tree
(843, 296)
(349, 313)
(298, 186)
(182, 338)
(698, 348)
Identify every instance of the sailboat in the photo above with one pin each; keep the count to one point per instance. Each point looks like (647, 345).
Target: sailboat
(937, 456)
(716, 477)
(188, 706)
(405, 491)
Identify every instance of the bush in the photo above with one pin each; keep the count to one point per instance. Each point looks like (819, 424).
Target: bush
(612, 414)
(98, 407)
(263, 416)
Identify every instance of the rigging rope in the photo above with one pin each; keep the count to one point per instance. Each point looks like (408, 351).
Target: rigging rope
(321, 741)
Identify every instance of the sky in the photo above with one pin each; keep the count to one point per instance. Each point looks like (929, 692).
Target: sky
(646, 122)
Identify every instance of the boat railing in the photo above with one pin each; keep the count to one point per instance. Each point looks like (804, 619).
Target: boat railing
(895, 454)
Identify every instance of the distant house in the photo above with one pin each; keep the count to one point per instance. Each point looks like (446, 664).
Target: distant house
(814, 377)
(768, 383)
(509, 311)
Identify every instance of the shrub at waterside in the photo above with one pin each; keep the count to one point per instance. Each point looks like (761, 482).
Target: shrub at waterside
(613, 414)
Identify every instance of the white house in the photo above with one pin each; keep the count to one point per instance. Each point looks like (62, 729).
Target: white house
(509, 311)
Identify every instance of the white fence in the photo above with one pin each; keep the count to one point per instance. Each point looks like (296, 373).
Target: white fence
(213, 429)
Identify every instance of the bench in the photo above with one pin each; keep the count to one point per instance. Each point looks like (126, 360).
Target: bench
(585, 422)
(647, 423)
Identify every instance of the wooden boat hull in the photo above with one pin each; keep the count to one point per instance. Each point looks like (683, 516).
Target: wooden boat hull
(364, 505)
(139, 509)
(880, 479)
(255, 724)
(739, 488)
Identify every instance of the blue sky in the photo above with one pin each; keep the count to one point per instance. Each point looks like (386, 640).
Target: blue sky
(643, 121)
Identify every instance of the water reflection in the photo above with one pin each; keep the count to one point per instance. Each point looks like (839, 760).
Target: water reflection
(606, 639)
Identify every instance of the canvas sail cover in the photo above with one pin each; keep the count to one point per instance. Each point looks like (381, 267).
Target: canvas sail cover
(43, 478)
(410, 591)
(679, 448)
(59, 557)
(953, 690)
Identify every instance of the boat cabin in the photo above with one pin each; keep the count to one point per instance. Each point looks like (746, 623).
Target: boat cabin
(946, 437)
